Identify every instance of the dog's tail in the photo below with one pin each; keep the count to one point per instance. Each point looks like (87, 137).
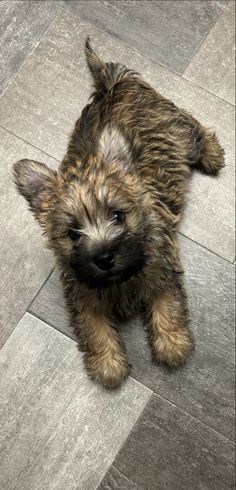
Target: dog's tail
(212, 154)
(105, 75)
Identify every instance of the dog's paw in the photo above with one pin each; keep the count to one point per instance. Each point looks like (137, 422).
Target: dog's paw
(172, 347)
(109, 369)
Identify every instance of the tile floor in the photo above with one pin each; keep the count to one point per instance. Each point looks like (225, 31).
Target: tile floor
(162, 429)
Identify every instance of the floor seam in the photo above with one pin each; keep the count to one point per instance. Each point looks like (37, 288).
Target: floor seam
(198, 49)
(28, 143)
(153, 392)
(131, 430)
(173, 72)
(205, 248)
(29, 55)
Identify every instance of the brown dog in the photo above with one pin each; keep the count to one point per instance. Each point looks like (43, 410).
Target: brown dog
(111, 216)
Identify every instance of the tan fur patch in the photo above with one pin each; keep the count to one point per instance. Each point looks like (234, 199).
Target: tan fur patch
(171, 338)
(105, 360)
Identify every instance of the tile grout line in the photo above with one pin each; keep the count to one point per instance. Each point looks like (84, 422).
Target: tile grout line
(140, 415)
(173, 72)
(27, 307)
(205, 248)
(126, 438)
(141, 383)
(201, 44)
(29, 55)
(28, 143)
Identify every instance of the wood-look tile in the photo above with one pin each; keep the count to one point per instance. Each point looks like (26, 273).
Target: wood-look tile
(213, 67)
(205, 386)
(43, 102)
(58, 429)
(25, 262)
(169, 32)
(22, 26)
(169, 450)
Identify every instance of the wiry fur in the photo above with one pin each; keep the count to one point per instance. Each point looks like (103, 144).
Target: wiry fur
(132, 151)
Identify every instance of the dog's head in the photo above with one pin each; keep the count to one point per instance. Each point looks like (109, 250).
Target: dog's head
(96, 220)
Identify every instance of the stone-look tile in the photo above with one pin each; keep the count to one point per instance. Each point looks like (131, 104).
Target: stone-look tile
(58, 429)
(205, 386)
(169, 32)
(168, 449)
(114, 479)
(22, 26)
(25, 262)
(213, 67)
(49, 306)
(45, 99)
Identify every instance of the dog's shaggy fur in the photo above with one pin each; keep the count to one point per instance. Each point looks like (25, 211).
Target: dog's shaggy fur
(111, 215)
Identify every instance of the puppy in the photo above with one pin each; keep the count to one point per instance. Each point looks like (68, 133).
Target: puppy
(111, 215)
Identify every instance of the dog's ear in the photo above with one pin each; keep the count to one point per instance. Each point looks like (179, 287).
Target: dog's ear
(114, 148)
(37, 183)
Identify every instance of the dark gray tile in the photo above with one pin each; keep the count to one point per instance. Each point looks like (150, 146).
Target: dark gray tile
(170, 450)
(169, 32)
(23, 23)
(58, 429)
(205, 386)
(25, 263)
(218, 74)
(45, 99)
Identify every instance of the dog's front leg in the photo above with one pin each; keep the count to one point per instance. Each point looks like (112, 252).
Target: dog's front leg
(104, 353)
(167, 321)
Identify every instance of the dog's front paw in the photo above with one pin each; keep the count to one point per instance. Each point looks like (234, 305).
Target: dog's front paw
(109, 369)
(172, 348)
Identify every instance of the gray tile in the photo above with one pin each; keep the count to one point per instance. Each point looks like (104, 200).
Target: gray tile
(205, 386)
(58, 429)
(25, 263)
(47, 96)
(168, 449)
(49, 306)
(22, 26)
(213, 67)
(114, 479)
(169, 32)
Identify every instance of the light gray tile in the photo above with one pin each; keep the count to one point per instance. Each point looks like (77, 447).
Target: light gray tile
(213, 67)
(49, 306)
(170, 32)
(25, 263)
(47, 96)
(114, 479)
(58, 429)
(169, 450)
(23, 23)
(205, 386)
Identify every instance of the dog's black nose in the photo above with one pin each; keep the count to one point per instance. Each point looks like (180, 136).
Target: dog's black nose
(104, 261)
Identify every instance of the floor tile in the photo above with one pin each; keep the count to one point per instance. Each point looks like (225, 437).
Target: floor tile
(25, 262)
(22, 26)
(47, 96)
(169, 450)
(58, 429)
(213, 67)
(169, 32)
(205, 386)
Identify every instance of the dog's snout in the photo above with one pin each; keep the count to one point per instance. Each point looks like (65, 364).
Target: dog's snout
(104, 261)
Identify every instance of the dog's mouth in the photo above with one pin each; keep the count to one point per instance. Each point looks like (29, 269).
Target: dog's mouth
(102, 280)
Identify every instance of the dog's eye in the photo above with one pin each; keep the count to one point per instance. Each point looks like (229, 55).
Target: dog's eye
(74, 234)
(118, 216)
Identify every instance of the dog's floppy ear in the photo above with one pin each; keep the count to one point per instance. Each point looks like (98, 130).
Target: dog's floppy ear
(36, 182)
(114, 148)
